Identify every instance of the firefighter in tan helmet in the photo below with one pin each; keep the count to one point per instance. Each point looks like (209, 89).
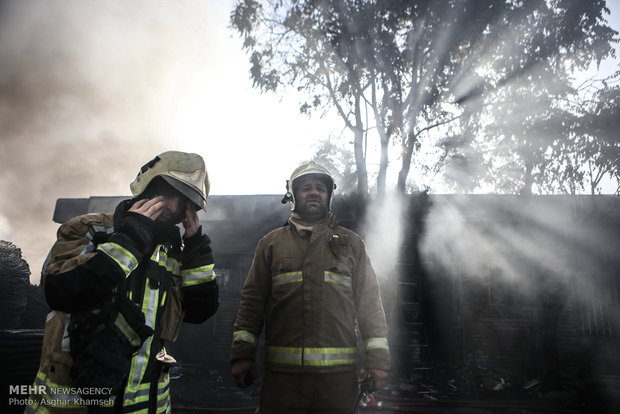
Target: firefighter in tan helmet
(310, 283)
(120, 284)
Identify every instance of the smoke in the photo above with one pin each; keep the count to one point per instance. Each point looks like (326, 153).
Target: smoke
(5, 228)
(85, 95)
(474, 238)
(531, 255)
(384, 236)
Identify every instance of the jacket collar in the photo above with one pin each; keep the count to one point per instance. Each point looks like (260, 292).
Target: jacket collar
(304, 228)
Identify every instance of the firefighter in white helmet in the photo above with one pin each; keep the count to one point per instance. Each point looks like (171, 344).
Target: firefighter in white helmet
(310, 283)
(119, 285)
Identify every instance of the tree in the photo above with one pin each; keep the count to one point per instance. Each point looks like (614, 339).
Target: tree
(14, 279)
(339, 161)
(416, 72)
(599, 141)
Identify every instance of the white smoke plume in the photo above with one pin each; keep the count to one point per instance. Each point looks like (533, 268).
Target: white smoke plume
(384, 232)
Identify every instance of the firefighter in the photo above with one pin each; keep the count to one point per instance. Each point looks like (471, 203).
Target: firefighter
(310, 283)
(119, 285)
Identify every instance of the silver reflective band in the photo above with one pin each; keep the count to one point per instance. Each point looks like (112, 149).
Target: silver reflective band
(160, 257)
(120, 255)
(90, 247)
(316, 357)
(135, 395)
(337, 278)
(199, 275)
(290, 277)
(244, 336)
(377, 343)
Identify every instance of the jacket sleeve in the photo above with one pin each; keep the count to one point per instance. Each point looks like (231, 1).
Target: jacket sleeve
(199, 286)
(370, 313)
(81, 271)
(251, 314)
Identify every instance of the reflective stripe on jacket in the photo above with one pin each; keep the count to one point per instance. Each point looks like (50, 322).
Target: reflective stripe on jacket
(310, 286)
(95, 252)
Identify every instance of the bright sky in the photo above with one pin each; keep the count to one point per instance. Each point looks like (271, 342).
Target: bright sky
(251, 141)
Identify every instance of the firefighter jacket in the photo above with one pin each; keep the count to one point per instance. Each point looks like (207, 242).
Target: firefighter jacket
(170, 282)
(311, 285)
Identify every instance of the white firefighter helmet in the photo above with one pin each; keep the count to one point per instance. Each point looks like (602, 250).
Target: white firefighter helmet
(184, 171)
(304, 170)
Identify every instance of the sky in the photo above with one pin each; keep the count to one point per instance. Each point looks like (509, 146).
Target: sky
(91, 90)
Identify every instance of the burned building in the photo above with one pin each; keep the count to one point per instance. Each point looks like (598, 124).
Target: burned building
(483, 293)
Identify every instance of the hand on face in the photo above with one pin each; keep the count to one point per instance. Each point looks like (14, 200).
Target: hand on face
(164, 209)
(191, 223)
(151, 208)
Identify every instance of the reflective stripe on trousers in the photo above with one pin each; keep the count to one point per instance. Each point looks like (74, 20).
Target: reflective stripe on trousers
(137, 397)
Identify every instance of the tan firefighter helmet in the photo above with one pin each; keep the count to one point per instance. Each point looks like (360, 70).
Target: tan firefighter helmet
(184, 171)
(307, 169)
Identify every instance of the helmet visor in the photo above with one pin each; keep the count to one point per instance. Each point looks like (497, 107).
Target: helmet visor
(194, 196)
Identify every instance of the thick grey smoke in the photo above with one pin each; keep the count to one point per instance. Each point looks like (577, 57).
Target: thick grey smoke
(84, 101)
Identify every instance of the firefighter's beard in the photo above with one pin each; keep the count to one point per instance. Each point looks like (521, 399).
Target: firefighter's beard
(313, 210)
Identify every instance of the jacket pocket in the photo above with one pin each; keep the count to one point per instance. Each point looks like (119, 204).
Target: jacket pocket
(342, 261)
(173, 313)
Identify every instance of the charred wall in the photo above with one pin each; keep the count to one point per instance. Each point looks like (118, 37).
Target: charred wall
(525, 288)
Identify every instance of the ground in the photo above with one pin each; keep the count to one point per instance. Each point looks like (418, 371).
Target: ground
(197, 389)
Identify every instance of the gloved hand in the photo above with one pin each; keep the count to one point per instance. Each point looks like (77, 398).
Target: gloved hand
(378, 375)
(244, 372)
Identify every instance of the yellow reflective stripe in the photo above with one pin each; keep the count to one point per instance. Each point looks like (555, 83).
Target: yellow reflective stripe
(69, 400)
(135, 394)
(140, 393)
(165, 408)
(377, 343)
(163, 390)
(149, 309)
(337, 278)
(198, 275)
(244, 336)
(120, 255)
(171, 264)
(283, 278)
(121, 323)
(316, 357)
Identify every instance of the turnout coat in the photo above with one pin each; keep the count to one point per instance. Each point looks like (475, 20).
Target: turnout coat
(169, 279)
(311, 286)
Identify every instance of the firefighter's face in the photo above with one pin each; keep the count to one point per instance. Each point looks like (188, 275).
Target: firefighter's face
(173, 211)
(311, 198)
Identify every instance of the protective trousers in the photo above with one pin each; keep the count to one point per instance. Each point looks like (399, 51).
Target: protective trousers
(288, 393)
